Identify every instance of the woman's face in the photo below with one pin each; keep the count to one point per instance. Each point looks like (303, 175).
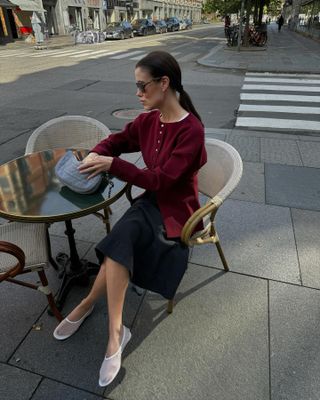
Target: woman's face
(151, 91)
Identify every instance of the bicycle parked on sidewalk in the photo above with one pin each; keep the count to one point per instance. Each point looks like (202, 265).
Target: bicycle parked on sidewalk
(257, 35)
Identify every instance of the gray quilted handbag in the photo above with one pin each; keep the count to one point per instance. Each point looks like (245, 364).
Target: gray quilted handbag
(68, 174)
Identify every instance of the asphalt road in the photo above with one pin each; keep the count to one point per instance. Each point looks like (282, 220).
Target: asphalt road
(96, 80)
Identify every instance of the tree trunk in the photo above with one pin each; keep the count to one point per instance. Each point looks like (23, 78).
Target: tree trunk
(246, 28)
(262, 4)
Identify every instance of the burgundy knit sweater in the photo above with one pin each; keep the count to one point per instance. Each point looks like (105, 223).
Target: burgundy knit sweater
(173, 154)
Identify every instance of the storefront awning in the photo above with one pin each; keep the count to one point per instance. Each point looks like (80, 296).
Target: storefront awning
(6, 4)
(29, 5)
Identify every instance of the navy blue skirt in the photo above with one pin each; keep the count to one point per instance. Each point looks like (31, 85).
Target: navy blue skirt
(138, 241)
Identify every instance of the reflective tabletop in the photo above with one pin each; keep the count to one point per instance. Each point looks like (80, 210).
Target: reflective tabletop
(30, 190)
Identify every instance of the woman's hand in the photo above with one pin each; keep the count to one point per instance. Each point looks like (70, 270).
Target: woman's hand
(95, 164)
(90, 157)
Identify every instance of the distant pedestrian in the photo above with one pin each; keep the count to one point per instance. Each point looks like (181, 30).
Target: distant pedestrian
(280, 22)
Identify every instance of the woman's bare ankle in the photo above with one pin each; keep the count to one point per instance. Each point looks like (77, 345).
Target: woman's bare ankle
(82, 308)
(114, 342)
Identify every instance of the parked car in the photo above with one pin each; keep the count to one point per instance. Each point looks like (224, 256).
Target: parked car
(143, 27)
(188, 22)
(182, 25)
(119, 30)
(161, 26)
(172, 24)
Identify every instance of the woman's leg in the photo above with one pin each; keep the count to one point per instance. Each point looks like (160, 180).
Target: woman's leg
(98, 290)
(117, 280)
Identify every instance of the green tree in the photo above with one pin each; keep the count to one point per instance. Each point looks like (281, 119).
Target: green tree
(222, 6)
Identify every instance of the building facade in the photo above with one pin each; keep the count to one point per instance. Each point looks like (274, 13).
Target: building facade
(303, 16)
(8, 31)
(60, 17)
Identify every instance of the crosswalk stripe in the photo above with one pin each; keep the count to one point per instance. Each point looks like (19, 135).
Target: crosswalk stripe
(265, 74)
(283, 80)
(9, 54)
(132, 53)
(137, 58)
(188, 57)
(52, 53)
(279, 109)
(89, 53)
(69, 54)
(280, 88)
(279, 97)
(256, 108)
(104, 54)
(278, 123)
(175, 53)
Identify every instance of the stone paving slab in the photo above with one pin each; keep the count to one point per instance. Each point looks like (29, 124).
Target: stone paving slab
(252, 185)
(76, 361)
(248, 148)
(293, 186)
(16, 384)
(280, 152)
(310, 153)
(306, 228)
(295, 346)
(213, 346)
(51, 390)
(21, 307)
(257, 240)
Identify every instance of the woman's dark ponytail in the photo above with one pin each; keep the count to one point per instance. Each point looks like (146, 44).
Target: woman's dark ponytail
(186, 103)
(161, 63)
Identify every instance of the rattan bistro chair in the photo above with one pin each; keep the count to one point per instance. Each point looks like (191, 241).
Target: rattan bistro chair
(23, 249)
(216, 180)
(70, 131)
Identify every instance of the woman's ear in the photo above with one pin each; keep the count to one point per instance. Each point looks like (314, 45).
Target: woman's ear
(165, 83)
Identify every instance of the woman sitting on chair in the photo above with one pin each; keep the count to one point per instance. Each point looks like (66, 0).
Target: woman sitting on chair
(144, 246)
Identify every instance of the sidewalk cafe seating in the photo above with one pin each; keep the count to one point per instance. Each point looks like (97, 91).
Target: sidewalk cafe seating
(23, 249)
(216, 180)
(74, 132)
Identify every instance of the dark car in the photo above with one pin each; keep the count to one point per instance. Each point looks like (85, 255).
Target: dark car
(161, 26)
(143, 27)
(173, 24)
(188, 23)
(119, 30)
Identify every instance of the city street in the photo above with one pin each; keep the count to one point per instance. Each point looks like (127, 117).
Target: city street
(95, 80)
(249, 334)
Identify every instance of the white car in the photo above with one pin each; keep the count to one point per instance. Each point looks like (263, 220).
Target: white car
(182, 24)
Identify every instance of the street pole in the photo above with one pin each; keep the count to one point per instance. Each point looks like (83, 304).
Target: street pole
(240, 24)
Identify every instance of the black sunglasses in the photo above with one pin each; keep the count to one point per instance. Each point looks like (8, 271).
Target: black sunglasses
(142, 85)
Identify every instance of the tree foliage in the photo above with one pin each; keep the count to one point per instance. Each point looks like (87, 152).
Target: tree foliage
(222, 6)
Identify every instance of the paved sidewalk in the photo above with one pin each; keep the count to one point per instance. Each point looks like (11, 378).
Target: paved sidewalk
(286, 51)
(252, 333)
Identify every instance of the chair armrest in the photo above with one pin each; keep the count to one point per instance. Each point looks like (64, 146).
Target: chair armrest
(15, 251)
(207, 210)
(129, 193)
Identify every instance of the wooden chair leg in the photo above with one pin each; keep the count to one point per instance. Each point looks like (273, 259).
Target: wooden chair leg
(170, 306)
(47, 292)
(223, 259)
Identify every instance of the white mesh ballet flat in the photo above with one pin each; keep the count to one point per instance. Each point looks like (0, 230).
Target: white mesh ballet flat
(67, 328)
(111, 365)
